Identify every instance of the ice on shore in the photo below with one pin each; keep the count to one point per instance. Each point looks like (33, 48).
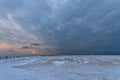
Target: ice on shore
(61, 68)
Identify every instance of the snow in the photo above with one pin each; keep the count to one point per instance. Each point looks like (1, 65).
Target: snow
(61, 68)
(58, 63)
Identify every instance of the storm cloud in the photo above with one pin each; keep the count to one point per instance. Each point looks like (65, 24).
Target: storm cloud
(61, 26)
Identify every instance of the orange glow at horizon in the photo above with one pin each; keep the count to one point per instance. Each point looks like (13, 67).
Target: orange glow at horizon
(31, 51)
(34, 52)
(9, 48)
(12, 49)
(5, 46)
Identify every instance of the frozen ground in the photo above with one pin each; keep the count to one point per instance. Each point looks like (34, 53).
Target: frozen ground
(61, 68)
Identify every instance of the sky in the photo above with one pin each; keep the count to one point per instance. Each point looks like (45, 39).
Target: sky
(59, 27)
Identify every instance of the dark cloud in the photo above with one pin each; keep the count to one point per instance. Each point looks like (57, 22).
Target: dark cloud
(35, 44)
(72, 26)
(27, 47)
(11, 50)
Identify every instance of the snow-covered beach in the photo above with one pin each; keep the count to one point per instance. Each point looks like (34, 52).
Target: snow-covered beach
(77, 67)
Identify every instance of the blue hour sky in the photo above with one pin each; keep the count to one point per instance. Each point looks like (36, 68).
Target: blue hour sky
(51, 27)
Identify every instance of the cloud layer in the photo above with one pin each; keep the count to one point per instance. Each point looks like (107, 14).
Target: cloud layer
(49, 27)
